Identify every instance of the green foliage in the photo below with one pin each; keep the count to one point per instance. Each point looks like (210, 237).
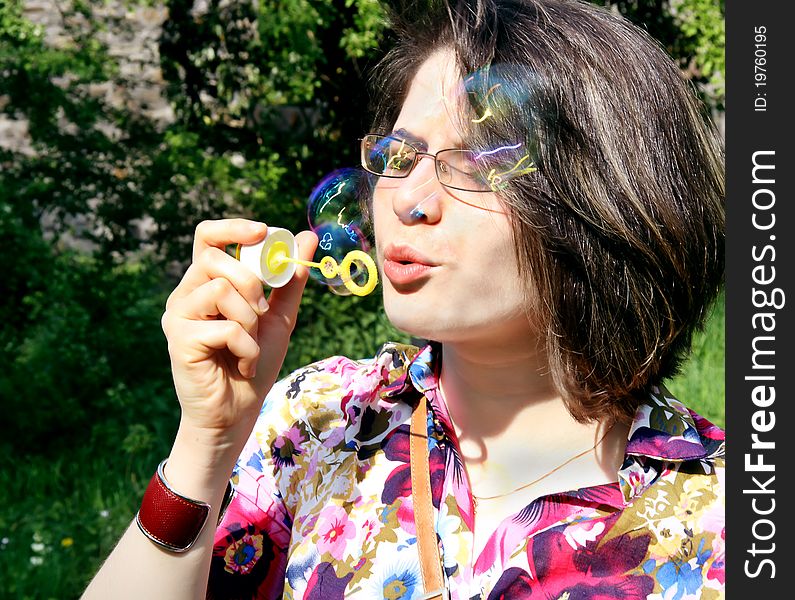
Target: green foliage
(14, 28)
(702, 383)
(702, 37)
(346, 326)
(97, 213)
(694, 34)
(87, 356)
(367, 32)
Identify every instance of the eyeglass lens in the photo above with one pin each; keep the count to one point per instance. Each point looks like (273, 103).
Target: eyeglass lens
(392, 157)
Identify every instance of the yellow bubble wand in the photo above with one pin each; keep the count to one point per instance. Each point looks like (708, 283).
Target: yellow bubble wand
(274, 261)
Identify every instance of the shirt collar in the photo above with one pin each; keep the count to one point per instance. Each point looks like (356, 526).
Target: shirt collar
(424, 369)
(663, 428)
(418, 375)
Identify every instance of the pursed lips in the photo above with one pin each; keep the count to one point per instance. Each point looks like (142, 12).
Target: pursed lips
(404, 264)
(405, 254)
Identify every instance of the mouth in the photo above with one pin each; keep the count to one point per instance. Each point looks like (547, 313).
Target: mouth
(404, 264)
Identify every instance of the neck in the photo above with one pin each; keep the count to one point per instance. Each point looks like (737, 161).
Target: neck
(504, 405)
(507, 412)
(487, 386)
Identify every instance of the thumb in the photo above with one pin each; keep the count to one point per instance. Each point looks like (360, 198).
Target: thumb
(307, 244)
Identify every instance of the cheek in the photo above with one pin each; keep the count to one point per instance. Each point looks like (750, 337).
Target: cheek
(491, 244)
(383, 194)
(497, 263)
(379, 219)
(491, 269)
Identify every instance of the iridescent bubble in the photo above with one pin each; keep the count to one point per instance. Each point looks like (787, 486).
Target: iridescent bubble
(500, 108)
(334, 214)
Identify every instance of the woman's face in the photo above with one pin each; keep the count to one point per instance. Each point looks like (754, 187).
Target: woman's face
(448, 267)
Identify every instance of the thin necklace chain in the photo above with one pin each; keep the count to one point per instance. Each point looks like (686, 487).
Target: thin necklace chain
(545, 475)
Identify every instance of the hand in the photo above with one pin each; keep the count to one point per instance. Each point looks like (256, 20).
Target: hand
(226, 341)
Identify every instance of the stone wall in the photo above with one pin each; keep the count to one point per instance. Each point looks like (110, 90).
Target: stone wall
(132, 40)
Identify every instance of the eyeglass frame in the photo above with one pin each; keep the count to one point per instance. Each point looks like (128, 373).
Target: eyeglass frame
(416, 161)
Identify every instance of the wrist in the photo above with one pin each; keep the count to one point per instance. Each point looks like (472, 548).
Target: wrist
(200, 463)
(173, 520)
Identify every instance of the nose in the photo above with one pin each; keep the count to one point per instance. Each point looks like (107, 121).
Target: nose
(417, 197)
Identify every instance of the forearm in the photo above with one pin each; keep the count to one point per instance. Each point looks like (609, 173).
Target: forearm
(139, 568)
(226, 342)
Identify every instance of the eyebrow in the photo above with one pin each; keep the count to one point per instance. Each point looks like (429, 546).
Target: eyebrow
(411, 138)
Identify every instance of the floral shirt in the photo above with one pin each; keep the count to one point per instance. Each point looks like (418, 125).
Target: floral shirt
(323, 503)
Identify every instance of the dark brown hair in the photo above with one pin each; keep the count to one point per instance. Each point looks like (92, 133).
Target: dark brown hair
(619, 234)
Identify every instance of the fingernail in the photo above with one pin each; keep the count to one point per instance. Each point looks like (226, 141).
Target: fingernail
(262, 304)
(257, 227)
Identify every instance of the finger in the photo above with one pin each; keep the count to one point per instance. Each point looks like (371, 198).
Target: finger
(218, 298)
(218, 335)
(284, 301)
(214, 263)
(221, 233)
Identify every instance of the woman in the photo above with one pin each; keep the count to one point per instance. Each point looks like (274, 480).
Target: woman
(560, 285)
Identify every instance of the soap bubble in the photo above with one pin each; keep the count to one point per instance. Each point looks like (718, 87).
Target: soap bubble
(500, 123)
(334, 214)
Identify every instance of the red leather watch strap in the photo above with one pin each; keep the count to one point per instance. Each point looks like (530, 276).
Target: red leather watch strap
(169, 519)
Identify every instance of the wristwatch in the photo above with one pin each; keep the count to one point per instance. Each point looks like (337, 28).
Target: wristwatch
(171, 520)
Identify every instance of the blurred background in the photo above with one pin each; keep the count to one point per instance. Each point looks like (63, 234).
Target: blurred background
(123, 124)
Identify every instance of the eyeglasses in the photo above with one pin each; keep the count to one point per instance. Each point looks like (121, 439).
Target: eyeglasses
(464, 170)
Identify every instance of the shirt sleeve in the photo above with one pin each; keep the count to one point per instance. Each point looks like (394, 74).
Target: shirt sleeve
(251, 541)
(291, 452)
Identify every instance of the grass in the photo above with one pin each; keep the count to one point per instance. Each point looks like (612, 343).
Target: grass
(61, 514)
(701, 385)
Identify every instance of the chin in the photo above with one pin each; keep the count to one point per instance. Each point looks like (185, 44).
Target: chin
(406, 313)
(426, 324)
(421, 318)
(411, 324)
